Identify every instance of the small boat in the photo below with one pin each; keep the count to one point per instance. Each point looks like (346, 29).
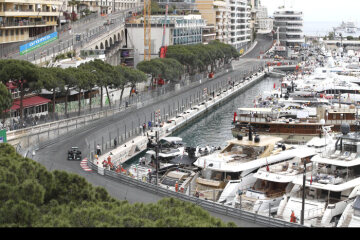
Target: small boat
(177, 179)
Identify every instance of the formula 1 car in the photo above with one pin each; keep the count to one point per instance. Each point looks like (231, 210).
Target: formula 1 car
(74, 154)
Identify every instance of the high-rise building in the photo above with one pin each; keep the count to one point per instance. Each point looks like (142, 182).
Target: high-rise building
(217, 14)
(240, 32)
(22, 20)
(290, 25)
(263, 24)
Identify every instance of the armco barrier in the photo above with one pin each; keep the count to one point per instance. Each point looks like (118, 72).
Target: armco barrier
(206, 204)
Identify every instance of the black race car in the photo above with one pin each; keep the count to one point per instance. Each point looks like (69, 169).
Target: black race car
(74, 154)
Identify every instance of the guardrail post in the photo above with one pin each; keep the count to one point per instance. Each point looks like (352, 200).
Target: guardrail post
(102, 143)
(109, 139)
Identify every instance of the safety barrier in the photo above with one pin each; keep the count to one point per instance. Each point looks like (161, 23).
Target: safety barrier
(206, 204)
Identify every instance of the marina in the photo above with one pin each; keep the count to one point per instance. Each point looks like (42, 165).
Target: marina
(257, 169)
(178, 114)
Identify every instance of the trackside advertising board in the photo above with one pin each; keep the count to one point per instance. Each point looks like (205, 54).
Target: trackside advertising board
(3, 136)
(38, 43)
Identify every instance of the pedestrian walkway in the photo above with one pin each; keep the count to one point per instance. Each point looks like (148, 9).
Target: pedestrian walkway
(83, 165)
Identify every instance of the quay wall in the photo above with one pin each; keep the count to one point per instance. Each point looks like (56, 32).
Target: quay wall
(138, 144)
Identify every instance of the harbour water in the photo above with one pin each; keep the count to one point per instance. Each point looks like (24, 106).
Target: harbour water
(214, 127)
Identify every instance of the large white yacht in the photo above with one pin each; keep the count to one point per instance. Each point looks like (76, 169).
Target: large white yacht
(226, 171)
(333, 182)
(276, 180)
(351, 214)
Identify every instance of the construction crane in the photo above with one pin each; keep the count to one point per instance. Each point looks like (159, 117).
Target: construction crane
(163, 48)
(147, 30)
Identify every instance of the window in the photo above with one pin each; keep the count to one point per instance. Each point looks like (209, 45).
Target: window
(17, 31)
(12, 32)
(6, 32)
(22, 31)
(1, 33)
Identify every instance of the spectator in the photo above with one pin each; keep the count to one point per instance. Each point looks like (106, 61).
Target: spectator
(144, 128)
(98, 150)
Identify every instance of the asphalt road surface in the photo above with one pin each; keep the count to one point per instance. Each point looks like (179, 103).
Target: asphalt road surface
(55, 156)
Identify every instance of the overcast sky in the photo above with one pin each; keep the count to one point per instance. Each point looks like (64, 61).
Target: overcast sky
(320, 10)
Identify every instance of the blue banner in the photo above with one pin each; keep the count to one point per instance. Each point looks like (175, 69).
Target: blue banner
(38, 43)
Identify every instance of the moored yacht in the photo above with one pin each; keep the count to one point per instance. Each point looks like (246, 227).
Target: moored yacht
(333, 182)
(225, 171)
(273, 181)
(295, 129)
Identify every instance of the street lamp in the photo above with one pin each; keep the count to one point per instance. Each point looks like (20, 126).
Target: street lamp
(157, 156)
(303, 195)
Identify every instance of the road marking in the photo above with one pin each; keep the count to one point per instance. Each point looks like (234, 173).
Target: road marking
(84, 165)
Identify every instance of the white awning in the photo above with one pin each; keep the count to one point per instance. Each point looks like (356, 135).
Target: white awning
(256, 109)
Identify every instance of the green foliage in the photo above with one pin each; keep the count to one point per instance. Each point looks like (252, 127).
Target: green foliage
(349, 38)
(167, 68)
(198, 57)
(155, 8)
(5, 100)
(30, 196)
(22, 74)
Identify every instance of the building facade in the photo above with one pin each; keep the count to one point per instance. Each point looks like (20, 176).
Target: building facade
(217, 15)
(180, 29)
(263, 24)
(240, 32)
(290, 25)
(22, 20)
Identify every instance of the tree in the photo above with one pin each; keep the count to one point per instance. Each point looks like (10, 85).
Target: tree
(5, 101)
(81, 82)
(120, 80)
(69, 80)
(104, 75)
(51, 81)
(133, 76)
(92, 78)
(150, 67)
(23, 75)
(183, 55)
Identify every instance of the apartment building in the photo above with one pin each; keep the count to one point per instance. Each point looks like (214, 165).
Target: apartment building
(263, 24)
(290, 25)
(240, 32)
(217, 14)
(22, 20)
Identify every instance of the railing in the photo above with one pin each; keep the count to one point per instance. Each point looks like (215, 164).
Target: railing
(57, 46)
(22, 23)
(208, 205)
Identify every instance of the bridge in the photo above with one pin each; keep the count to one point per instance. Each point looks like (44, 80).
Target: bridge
(95, 32)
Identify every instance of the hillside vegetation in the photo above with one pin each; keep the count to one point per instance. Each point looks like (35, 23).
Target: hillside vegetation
(31, 196)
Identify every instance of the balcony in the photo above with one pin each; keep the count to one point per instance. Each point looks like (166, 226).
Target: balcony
(23, 23)
(27, 13)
